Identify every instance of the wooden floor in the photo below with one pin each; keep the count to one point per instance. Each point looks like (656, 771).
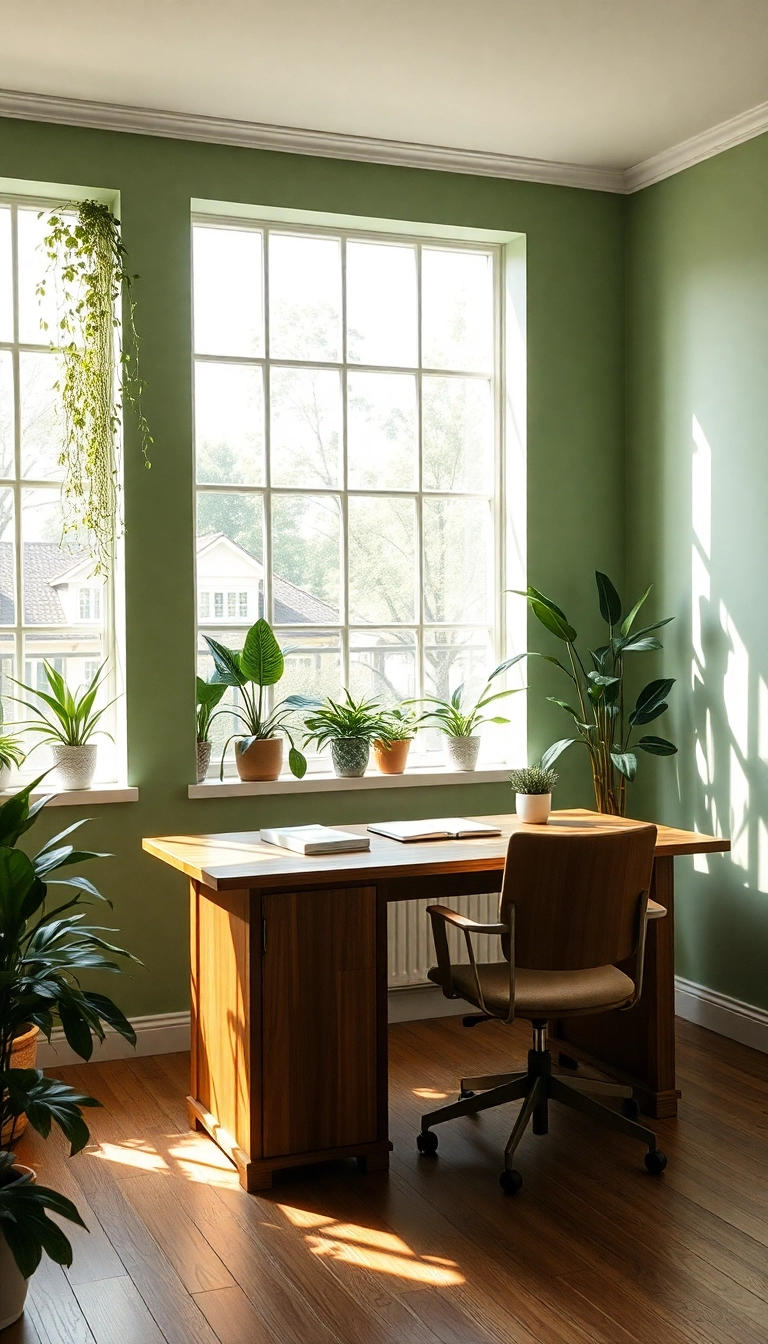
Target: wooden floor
(593, 1251)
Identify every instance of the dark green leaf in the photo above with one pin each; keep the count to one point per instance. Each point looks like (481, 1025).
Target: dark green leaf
(648, 715)
(226, 663)
(262, 660)
(109, 1013)
(297, 762)
(610, 602)
(557, 749)
(630, 619)
(647, 645)
(657, 746)
(654, 693)
(625, 762)
(563, 704)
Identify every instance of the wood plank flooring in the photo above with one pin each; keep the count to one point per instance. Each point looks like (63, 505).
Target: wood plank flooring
(593, 1251)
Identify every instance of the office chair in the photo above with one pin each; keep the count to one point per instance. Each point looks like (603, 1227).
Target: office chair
(571, 907)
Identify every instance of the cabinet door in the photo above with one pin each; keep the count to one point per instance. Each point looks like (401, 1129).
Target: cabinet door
(319, 1020)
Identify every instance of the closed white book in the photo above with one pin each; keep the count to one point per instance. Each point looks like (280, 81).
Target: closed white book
(439, 828)
(315, 839)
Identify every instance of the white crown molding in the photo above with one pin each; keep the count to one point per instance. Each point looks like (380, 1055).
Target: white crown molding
(292, 140)
(722, 1014)
(700, 147)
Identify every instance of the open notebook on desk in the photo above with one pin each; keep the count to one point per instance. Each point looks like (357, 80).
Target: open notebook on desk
(439, 828)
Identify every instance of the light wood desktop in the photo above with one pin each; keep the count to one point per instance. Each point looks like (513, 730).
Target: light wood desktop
(289, 986)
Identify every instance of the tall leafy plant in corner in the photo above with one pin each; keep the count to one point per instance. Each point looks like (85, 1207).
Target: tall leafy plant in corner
(99, 371)
(598, 706)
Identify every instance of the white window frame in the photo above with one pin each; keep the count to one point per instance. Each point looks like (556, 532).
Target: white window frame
(291, 634)
(115, 718)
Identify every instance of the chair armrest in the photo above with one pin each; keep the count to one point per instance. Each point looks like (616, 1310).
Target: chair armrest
(655, 911)
(463, 922)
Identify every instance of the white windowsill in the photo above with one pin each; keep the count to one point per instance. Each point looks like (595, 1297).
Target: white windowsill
(98, 793)
(413, 778)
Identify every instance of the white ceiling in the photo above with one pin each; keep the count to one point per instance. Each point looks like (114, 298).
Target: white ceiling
(606, 83)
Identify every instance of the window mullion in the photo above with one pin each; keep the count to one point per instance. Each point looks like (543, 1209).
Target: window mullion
(16, 359)
(344, 652)
(266, 542)
(420, 655)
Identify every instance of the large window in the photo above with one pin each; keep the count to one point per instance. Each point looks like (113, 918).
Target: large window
(347, 449)
(51, 605)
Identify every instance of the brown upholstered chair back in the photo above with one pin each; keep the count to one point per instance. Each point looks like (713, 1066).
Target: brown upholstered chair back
(576, 897)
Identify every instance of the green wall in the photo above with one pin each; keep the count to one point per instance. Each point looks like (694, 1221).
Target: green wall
(575, 242)
(698, 348)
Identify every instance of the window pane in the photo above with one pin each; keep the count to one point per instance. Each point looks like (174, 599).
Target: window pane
(76, 655)
(42, 424)
(454, 658)
(225, 724)
(382, 665)
(306, 559)
(381, 304)
(304, 297)
(229, 295)
(6, 276)
(313, 665)
(7, 664)
(457, 434)
(458, 537)
(306, 427)
(229, 424)
(7, 559)
(230, 531)
(382, 433)
(51, 572)
(382, 560)
(457, 310)
(6, 414)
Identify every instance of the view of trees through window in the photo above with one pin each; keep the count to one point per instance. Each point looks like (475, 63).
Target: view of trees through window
(346, 449)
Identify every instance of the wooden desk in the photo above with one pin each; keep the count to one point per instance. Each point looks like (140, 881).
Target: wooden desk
(289, 986)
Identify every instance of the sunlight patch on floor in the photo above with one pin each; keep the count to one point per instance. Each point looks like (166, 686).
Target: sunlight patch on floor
(193, 1155)
(371, 1249)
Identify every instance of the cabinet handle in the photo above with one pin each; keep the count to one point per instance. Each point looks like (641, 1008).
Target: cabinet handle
(263, 935)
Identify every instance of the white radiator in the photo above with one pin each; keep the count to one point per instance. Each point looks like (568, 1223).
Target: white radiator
(411, 948)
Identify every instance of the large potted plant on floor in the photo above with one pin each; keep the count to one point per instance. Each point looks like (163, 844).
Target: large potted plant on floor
(68, 721)
(259, 745)
(45, 945)
(459, 722)
(349, 727)
(601, 716)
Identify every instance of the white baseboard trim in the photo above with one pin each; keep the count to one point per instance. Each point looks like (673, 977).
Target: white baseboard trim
(720, 1013)
(157, 1034)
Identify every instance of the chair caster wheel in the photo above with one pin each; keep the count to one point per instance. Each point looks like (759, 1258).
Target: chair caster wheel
(510, 1182)
(655, 1162)
(426, 1142)
(465, 1096)
(630, 1108)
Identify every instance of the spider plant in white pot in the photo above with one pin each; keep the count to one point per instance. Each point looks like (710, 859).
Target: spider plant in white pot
(11, 752)
(459, 724)
(68, 721)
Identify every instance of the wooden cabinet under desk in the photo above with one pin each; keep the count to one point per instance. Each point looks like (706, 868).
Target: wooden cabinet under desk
(289, 986)
(287, 1064)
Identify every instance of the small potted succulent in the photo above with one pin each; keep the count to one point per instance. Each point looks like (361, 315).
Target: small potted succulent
(350, 728)
(260, 663)
(208, 695)
(391, 747)
(459, 725)
(11, 752)
(67, 720)
(533, 787)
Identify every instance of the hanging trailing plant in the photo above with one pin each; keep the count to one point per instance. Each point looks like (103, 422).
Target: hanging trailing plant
(99, 375)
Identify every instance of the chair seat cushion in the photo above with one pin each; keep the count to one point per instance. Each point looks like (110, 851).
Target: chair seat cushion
(543, 993)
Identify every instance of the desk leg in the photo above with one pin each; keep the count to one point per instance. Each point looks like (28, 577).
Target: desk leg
(638, 1047)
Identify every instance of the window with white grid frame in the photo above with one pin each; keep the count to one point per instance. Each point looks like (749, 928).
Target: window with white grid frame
(51, 605)
(347, 457)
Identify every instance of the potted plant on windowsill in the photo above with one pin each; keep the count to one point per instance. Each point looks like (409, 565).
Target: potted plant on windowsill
(459, 725)
(11, 752)
(349, 728)
(260, 663)
(208, 695)
(533, 787)
(67, 722)
(44, 948)
(390, 749)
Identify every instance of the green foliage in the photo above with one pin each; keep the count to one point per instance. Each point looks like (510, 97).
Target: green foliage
(533, 779)
(208, 695)
(453, 719)
(398, 725)
(68, 717)
(11, 750)
(88, 261)
(600, 715)
(45, 946)
(258, 665)
(363, 719)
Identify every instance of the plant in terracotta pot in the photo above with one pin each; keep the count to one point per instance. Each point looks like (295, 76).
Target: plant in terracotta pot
(11, 752)
(45, 945)
(258, 665)
(349, 728)
(459, 723)
(208, 696)
(68, 721)
(533, 786)
(391, 747)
